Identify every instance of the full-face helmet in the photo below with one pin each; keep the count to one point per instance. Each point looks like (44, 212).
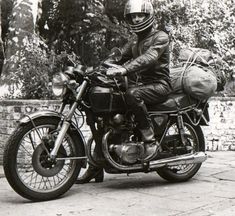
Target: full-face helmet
(139, 7)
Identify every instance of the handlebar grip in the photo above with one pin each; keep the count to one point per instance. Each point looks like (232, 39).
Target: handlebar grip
(110, 64)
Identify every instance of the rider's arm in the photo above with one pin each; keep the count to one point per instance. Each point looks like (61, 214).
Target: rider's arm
(126, 51)
(151, 56)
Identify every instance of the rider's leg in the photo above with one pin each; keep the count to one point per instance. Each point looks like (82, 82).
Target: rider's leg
(138, 97)
(94, 172)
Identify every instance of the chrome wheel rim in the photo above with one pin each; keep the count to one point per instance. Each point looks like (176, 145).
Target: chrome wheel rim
(27, 167)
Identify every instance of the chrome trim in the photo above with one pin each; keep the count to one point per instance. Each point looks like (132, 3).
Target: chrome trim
(194, 158)
(50, 113)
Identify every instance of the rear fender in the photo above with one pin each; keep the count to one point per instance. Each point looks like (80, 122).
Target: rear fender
(49, 113)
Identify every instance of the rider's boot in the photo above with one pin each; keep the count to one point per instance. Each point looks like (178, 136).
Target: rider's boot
(92, 172)
(147, 135)
(150, 143)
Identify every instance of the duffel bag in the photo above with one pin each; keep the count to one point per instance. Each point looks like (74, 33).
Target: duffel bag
(194, 81)
(195, 55)
(204, 58)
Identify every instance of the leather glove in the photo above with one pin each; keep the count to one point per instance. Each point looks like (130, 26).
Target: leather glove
(112, 72)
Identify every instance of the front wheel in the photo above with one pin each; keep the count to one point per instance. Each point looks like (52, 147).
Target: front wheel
(29, 170)
(195, 142)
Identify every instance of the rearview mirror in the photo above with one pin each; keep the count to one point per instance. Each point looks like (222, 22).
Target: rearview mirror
(116, 54)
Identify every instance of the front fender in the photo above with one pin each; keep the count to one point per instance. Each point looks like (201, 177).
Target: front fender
(44, 113)
(50, 113)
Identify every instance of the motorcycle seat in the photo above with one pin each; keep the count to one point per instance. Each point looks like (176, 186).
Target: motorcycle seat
(174, 102)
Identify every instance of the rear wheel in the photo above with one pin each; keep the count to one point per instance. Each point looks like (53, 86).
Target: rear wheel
(194, 143)
(28, 167)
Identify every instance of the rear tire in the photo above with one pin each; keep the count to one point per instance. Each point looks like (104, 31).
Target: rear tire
(26, 166)
(185, 172)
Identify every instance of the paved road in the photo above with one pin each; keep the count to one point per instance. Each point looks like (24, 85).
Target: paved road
(210, 192)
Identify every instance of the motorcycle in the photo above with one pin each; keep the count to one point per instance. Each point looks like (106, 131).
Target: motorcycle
(46, 152)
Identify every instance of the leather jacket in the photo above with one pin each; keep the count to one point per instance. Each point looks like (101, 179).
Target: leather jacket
(148, 55)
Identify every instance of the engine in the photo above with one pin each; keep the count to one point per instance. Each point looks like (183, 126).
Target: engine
(123, 142)
(128, 152)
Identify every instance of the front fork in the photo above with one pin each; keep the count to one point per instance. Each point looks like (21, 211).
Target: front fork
(67, 121)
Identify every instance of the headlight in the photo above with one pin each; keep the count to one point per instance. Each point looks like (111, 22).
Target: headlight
(59, 84)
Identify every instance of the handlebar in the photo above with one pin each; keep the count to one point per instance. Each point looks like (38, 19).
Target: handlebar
(110, 64)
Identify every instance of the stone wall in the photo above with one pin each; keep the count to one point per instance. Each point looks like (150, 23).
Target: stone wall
(220, 134)
(12, 110)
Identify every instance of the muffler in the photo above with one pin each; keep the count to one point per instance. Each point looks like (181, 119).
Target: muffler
(194, 158)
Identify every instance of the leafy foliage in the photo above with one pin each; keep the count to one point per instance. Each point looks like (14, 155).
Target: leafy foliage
(6, 9)
(80, 27)
(90, 28)
(204, 24)
(31, 71)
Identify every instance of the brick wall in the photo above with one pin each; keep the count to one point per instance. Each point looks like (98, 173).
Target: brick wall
(220, 135)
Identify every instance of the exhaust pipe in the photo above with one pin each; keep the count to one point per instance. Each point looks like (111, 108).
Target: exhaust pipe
(194, 158)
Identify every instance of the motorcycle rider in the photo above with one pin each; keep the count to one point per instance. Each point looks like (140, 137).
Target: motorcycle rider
(148, 58)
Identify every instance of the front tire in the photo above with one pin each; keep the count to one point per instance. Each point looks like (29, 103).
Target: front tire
(183, 173)
(27, 167)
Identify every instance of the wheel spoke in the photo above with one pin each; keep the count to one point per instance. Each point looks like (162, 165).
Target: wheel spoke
(191, 141)
(45, 183)
(49, 182)
(26, 151)
(31, 156)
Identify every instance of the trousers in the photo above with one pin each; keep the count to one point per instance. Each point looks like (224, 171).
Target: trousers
(138, 97)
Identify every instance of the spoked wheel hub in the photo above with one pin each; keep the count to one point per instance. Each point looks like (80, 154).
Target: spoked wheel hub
(43, 164)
